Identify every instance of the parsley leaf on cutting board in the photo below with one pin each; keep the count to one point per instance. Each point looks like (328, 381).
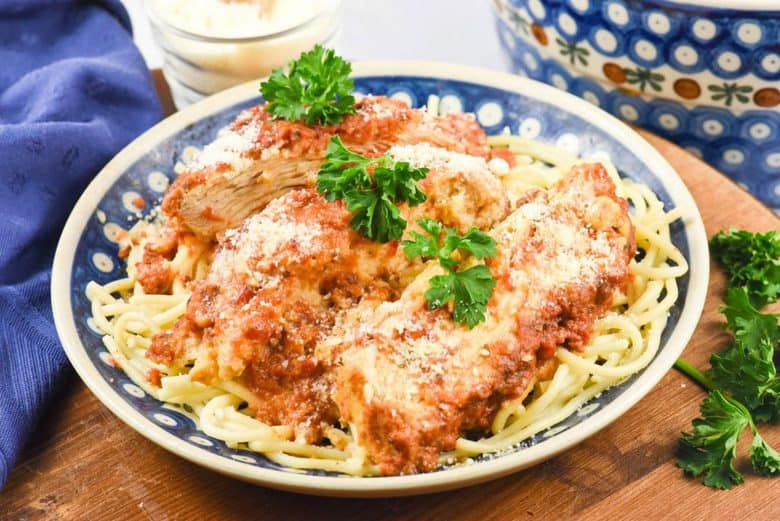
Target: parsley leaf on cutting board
(742, 380)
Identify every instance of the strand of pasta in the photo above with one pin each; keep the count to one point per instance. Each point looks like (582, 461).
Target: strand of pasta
(616, 358)
(624, 341)
(133, 318)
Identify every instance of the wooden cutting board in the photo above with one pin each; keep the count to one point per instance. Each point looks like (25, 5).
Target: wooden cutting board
(84, 463)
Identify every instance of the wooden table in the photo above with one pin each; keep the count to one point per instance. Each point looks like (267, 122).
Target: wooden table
(84, 463)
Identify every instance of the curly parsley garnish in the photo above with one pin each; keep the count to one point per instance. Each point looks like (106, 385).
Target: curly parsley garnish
(742, 380)
(317, 89)
(747, 369)
(711, 448)
(469, 289)
(751, 260)
(371, 198)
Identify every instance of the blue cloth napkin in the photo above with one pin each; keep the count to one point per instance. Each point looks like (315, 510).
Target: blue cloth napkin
(73, 91)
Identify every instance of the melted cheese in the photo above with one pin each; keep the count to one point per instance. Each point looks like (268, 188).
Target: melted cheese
(555, 272)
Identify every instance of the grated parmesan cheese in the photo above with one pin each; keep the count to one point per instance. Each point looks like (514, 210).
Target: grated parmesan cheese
(228, 148)
(380, 110)
(571, 257)
(430, 156)
(256, 247)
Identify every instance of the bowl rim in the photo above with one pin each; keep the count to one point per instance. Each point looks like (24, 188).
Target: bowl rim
(456, 477)
(769, 6)
(731, 5)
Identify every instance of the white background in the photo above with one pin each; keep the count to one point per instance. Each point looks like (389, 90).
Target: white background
(455, 31)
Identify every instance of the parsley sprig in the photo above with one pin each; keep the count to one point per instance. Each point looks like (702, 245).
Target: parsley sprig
(711, 448)
(316, 89)
(742, 380)
(751, 260)
(371, 187)
(469, 289)
(747, 369)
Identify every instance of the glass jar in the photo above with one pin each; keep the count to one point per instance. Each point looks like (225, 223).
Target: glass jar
(198, 65)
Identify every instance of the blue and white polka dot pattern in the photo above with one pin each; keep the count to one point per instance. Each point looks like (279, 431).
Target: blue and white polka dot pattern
(630, 109)
(588, 90)
(703, 30)
(507, 39)
(530, 61)
(749, 33)
(655, 31)
(404, 95)
(645, 51)
(566, 24)
(102, 262)
(740, 144)
(684, 56)
(130, 201)
(158, 181)
(537, 10)
(490, 114)
(733, 155)
(243, 458)
(669, 117)
(449, 104)
(495, 109)
(133, 390)
(759, 130)
(200, 440)
(659, 23)
(105, 356)
(112, 231)
(772, 158)
(617, 14)
(569, 142)
(165, 419)
(582, 7)
(605, 41)
(727, 62)
(767, 64)
(529, 128)
(711, 125)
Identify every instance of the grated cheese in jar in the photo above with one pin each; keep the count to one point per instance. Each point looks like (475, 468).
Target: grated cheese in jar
(210, 45)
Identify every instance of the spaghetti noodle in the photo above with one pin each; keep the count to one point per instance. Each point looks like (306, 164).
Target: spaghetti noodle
(623, 342)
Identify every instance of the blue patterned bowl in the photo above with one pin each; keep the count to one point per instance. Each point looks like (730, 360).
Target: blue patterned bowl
(86, 252)
(703, 73)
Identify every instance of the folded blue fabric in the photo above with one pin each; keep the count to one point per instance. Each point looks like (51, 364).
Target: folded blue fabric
(73, 91)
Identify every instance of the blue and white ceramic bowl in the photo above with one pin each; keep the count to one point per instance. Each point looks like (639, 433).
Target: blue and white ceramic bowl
(501, 101)
(703, 73)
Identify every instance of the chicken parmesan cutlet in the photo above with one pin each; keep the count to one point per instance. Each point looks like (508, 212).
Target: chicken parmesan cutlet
(410, 381)
(258, 158)
(346, 284)
(278, 281)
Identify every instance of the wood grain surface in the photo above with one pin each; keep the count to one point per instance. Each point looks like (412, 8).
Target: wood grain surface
(84, 463)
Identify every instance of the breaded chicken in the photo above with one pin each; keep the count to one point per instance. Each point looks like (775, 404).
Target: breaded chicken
(278, 281)
(258, 158)
(410, 380)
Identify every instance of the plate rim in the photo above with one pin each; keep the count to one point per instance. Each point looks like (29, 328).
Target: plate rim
(456, 477)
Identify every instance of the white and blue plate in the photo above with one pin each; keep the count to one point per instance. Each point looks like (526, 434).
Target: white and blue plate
(500, 101)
